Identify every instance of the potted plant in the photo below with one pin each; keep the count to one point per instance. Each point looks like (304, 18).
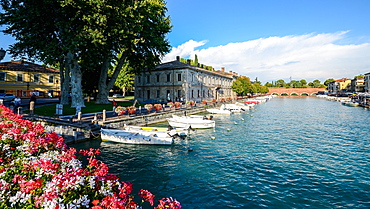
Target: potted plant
(177, 104)
(131, 110)
(214, 100)
(148, 107)
(191, 103)
(120, 110)
(204, 102)
(157, 107)
(170, 104)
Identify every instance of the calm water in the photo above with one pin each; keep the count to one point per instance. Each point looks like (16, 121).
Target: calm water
(286, 153)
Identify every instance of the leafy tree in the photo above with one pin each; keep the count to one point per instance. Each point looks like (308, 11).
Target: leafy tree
(73, 32)
(280, 83)
(316, 83)
(196, 60)
(125, 80)
(242, 85)
(328, 81)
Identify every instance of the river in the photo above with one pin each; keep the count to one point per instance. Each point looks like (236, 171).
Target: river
(290, 152)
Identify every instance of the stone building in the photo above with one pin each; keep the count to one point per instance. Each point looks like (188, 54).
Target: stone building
(178, 81)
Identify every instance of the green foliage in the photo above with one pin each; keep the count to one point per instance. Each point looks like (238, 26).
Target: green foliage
(243, 85)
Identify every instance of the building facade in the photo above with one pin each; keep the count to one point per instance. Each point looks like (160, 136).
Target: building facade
(24, 78)
(339, 86)
(178, 81)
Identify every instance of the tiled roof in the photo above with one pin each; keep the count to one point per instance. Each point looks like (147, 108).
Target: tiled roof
(26, 67)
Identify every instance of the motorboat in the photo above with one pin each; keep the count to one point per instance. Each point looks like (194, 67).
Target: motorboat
(192, 121)
(138, 136)
(221, 110)
(180, 132)
(351, 104)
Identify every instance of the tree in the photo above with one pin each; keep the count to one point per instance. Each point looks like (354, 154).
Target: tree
(79, 31)
(125, 80)
(328, 81)
(242, 85)
(316, 83)
(196, 60)
(280, 83)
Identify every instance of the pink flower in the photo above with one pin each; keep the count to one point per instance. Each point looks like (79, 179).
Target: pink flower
(147, 196)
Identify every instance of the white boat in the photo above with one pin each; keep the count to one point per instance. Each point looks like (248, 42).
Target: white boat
(137, 137)
(180, 132)
(351, 104)
(220, 110)
(192, 121)
(235, 108)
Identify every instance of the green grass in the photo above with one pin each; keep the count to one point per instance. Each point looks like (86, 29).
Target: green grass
(91, 107)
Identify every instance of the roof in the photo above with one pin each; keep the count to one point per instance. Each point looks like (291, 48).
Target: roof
(26, 67)
(177, 65)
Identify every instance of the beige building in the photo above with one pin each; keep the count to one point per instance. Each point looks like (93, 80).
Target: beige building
(24, 78)
(178, 81)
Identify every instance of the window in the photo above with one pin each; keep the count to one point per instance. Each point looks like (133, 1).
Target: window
(179, 93)
(19, 77)
(51, 78)
(158, 78)
(148, 94)
(36, 78)
(168, 77)
(198, 93)
(148, 78)
(139, 79)
(2, 76)
(179, 77)
(158, 93)
(192, 93)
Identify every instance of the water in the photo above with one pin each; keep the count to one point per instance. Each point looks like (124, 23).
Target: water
(287, 153)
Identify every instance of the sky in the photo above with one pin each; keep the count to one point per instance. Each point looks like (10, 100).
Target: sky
(270, 40)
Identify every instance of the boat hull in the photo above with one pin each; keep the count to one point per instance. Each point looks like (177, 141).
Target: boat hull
(192, 121)
(136, 137)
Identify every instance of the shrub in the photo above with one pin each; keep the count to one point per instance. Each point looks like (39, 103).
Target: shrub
(38, 170)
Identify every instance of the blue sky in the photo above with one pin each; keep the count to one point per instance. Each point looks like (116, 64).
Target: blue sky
(274, 39)
(271, 39)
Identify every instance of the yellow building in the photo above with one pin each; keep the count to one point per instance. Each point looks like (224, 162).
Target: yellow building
(24, 78)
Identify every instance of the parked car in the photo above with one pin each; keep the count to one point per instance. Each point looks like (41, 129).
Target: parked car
(7, 97)
(118, 96)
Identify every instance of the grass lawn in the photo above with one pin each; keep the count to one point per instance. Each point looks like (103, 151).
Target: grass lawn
(91, 107)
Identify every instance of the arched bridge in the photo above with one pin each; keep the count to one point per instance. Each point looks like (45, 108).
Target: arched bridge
(295, 91)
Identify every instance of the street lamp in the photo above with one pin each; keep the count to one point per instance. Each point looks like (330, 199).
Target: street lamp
(2, 54)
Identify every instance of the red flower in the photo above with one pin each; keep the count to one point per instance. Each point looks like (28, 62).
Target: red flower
(147, 196)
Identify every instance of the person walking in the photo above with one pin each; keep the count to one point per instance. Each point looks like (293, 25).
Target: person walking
(33, 98)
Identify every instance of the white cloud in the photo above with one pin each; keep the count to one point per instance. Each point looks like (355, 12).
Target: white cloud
(310, 57)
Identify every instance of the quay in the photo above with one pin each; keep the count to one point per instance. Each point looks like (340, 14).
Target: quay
(87, 126)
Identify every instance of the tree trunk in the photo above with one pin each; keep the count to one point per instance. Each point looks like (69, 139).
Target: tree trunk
(64, 82)
(76, 77)
(104, 85)
(124, 91)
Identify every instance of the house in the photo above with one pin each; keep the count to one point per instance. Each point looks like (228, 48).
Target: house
(24, 78)
(178, 81)
(357, 85)
(367, 82)
(339, 86)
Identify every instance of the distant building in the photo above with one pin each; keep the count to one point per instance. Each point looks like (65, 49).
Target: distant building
(367, 82)
(339, 86)
(175, 81)
(24, 78)
(357, 85)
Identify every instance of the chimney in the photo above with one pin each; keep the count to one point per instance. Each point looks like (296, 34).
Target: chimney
(188, 61)
(231, 72)
(223, 69)
(177, 58)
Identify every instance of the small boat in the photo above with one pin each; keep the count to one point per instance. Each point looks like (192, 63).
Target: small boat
(180, 132)
(351, 104)
(220, 110)
(192, 121)
(137, 136)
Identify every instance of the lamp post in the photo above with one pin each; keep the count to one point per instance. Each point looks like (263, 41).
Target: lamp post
(2, 54)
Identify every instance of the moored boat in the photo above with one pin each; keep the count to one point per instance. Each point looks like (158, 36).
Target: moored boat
(192, 121)
(221, 110)
(137, 137)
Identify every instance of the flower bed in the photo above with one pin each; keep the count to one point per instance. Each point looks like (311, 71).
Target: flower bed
(38, 170)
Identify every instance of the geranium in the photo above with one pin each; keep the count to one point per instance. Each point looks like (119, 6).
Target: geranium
(177, 104)
(38, 170)
(148, 107)
(120, 110)
(131, 109)
(157, 107)
(191, 103)
(170, 104)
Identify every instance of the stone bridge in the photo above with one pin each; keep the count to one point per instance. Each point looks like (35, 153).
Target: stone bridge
(295, 91)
